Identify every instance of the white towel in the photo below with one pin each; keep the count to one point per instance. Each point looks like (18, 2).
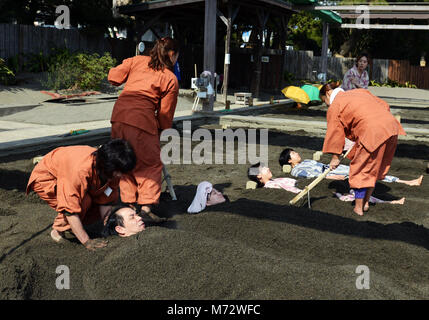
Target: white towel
(334, 94)
(200, 200)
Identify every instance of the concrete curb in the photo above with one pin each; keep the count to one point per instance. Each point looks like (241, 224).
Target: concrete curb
(6, 110)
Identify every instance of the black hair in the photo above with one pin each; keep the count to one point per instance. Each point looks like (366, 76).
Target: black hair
(253, 172)
(115, 155)
(114, 220)
(285, 157)
(328, 86)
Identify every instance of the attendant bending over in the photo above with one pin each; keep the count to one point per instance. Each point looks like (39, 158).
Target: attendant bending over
(310, 169)
(81, 183)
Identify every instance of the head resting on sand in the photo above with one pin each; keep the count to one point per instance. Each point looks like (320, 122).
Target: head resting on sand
(123, 221)
(289, 156)
(259, 173)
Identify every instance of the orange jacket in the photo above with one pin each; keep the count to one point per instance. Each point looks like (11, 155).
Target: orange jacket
(362, 117)
(73, 168)
(149, 98)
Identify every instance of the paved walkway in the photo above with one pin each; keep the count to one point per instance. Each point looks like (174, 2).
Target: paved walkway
(28, 118)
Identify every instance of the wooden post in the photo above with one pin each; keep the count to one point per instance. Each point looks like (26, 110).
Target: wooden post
(210, 47)
(325, 40)
(262, 18)
(228, 22)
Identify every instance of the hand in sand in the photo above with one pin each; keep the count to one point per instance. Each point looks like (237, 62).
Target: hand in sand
(93, 244)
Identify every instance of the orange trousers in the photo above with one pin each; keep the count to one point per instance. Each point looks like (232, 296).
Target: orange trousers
(366, 168)
(143, 185)
(47, 192)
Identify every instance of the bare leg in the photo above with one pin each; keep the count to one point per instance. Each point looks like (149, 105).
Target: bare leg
(358, 207)
(368, 194)
(415, 182)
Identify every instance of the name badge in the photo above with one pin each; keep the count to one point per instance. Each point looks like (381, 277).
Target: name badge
(108, 191)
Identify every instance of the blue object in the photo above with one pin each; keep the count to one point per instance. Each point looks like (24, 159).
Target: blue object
(360, 193)
(177, 70)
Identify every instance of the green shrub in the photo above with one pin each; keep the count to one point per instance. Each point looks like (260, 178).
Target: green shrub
(78, 71)
(7, 77)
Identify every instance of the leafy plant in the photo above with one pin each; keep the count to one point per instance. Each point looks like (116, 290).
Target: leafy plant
(392, 84)
(36, 62)
(288, 77)
(78, 71)
(7, 77)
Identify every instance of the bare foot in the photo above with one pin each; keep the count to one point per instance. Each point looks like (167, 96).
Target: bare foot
(400, 201)
(366, 207)
(56, 235)
(358, 212)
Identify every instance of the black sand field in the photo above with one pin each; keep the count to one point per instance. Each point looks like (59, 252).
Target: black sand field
(255, 246)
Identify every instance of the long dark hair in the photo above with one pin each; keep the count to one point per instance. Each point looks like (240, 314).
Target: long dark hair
(328, 86)
(115, 155)
(159, 58)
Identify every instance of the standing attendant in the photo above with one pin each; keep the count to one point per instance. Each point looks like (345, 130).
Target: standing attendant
(357, 77)
(81, 184)
(365, 119)
(144, 108)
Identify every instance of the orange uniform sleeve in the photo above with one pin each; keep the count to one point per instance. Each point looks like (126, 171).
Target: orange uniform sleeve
(119, 74)
(335, 136)
(70, 192)
(168, 104)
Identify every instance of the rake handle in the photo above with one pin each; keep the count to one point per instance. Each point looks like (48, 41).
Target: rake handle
(315, 182)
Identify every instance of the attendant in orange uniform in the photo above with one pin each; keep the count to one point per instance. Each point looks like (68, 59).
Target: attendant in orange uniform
(81, 183)
(145, 107)
(365, 119)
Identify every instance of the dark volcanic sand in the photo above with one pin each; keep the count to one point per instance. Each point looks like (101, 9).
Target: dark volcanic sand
(255, 246)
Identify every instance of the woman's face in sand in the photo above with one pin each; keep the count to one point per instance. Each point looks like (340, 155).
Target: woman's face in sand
(133, 223)
(264, 174)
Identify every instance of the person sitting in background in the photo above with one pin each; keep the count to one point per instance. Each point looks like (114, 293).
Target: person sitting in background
(311, 169)
(357, 77)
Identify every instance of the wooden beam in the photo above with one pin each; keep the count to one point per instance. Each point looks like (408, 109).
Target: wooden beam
(405, 8)
(385, 26)
(416, 16)
(210, 46)
(325, 45)
(133, 8)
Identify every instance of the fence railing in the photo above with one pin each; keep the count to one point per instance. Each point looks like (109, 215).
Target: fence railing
(25, 39)
(304, 65)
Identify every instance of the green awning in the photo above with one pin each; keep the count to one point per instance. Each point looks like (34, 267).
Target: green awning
(327, 16)
(324, 15)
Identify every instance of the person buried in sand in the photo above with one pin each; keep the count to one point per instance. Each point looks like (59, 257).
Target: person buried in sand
(123, 221)
(263, 177)
(81, 183)
(311, 169)
(365, 119)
